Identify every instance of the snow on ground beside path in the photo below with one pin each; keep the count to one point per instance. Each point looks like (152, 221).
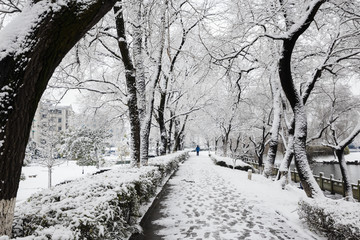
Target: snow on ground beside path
(212, 202)
(94, 206)
(66, 171)
(69, 170)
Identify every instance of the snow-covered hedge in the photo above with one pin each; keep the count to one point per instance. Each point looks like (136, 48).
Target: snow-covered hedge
(103, 206)
(229, 162)
(338, 219)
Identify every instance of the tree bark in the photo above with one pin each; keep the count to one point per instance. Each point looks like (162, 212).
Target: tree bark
(285, 163)
(162, 126)
(308, 182)
(179, 136)
(173, 123)
(140, 81)
(225, 145)
(25, 69)
(138, 58)
(49, 177)
(216, 144)
(225, 137)
(130, 76)
(274, 139)
(146, 121)
(300, 131)
(176, 122)
(339, 153)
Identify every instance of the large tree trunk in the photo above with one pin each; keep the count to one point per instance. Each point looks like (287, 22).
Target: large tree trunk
(173, 123)
(225, 146)
(216, 144)
(345, 175)
(179, 134)
(130, 84)
(285, 163)
(49, 177)
(162, 126)
(339, 153)
(146, 119)
(274, 139)
(138, 58)
(141, 81)
(307, 179)
(27, 62)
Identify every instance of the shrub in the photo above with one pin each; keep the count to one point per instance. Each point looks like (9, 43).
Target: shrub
(244, 168)
(102, 206)
(338, 219)
(222, 164)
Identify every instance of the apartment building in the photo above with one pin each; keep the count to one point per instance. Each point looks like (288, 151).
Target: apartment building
(50, 117)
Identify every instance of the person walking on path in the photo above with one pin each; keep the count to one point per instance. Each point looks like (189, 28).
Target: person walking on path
(197, 150)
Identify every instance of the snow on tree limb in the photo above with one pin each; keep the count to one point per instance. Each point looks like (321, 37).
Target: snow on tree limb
(350, 138)
(31, 47)
(308, 16)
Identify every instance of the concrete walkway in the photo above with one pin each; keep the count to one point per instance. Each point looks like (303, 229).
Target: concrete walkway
(204, 201)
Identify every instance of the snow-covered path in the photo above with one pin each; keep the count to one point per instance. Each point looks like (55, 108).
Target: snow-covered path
(205, 201)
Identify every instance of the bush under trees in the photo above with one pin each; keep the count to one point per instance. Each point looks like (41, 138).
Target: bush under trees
(102, 206)
(331, 218)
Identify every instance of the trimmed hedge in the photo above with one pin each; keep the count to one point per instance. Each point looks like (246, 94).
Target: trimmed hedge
(103, 206)
(338, 219)
(224, 164)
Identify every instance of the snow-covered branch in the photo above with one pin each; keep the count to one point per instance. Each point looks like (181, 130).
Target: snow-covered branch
(350, 138)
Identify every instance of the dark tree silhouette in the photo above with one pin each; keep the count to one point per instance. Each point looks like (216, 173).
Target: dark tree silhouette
(27, 61)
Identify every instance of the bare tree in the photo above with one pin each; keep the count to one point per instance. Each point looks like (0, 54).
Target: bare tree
(289, 40)
(273, 142)
(338, 56)
(336, 123)
(130, 75)
(339, 147)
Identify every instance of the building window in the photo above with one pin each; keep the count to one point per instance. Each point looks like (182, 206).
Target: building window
(59, 128)
(59, 120)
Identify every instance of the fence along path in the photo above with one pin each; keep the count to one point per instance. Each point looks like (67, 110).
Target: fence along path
(326, 183)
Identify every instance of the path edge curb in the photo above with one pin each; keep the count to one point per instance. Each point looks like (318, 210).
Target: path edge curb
(155, 202)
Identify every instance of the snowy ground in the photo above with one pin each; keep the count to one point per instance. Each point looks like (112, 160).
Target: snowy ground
(69, 170)
(212, 202)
